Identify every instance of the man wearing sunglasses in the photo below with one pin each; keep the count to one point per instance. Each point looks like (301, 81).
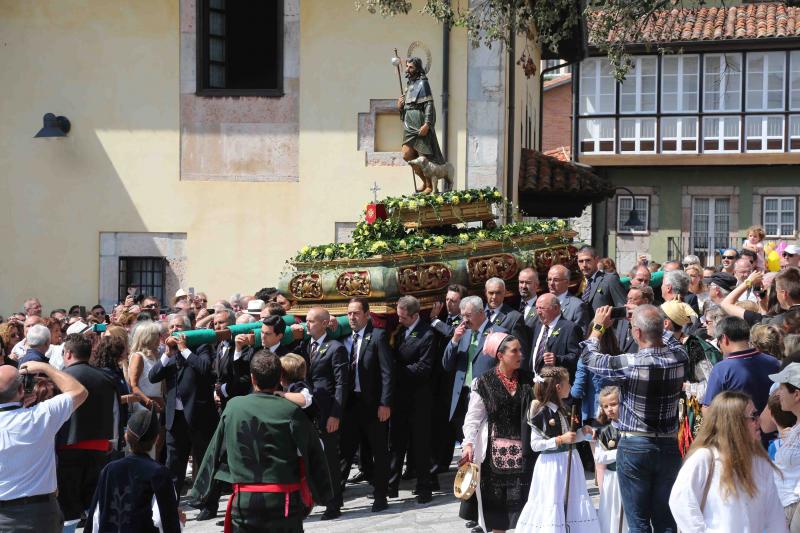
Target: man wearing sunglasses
(790, 257)
(729, 258)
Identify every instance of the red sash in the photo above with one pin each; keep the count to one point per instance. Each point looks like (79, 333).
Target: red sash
(285, 488)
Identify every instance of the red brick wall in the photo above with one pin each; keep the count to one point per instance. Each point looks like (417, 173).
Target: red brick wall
(557, 110)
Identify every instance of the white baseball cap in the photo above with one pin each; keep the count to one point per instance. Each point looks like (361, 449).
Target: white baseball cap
(78, 327)
(790, 375)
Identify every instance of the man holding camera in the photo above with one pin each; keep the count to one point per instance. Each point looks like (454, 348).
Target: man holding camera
(28, 486)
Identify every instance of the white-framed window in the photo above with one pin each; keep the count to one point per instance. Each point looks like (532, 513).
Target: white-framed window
(598, 87)
(637, 135)
(780, 216)
(794, 133)
(637, 94)
(763, 133)
(624, 206)
(765, 81)
(597, 135)
(550, 63)
(794, 80)
(680, 82)
(711, 223)
(678, 134)
(722, 82)
(721, 134)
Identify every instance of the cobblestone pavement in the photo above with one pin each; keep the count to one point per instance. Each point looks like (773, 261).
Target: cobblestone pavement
(403, 515)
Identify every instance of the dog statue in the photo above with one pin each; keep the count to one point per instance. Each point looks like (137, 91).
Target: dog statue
(431, 173)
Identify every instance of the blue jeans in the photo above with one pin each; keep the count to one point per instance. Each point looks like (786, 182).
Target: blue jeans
(646, 469)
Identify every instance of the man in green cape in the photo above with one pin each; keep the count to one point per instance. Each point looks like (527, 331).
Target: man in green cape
(266, 447)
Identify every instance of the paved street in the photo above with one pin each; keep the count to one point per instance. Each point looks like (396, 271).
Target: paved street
(403, 515)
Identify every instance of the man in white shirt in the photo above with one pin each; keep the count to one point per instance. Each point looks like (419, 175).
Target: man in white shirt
(18, 352)
(742, 269)
(28, 469)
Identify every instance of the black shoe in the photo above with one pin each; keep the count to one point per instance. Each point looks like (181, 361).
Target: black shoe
(477, 529)
(435, 486)
(206, 514)
(196, 504)
(471, 524)
(360, 477)
(331, 514)
(424, 497)
(393, 492)
(380, 504)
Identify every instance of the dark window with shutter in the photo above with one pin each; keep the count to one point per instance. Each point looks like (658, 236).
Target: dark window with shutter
(240, 47)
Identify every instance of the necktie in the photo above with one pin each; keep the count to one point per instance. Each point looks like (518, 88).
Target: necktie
(313, 351)
(353, 361)
(542, 346)
(473, 349)
(522, 306)
(587, 291)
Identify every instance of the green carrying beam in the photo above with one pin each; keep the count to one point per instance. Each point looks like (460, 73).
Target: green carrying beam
(196, 337)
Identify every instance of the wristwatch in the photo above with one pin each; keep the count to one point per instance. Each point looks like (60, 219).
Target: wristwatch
(599, 328)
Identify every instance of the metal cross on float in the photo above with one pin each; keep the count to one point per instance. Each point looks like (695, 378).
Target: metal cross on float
(375, 190)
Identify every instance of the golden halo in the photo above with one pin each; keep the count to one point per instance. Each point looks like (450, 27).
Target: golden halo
(428, 57)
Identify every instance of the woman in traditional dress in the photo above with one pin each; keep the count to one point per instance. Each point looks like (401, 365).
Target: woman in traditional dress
(726, 483)
(610, 514)
(496, 435)
(554, 504)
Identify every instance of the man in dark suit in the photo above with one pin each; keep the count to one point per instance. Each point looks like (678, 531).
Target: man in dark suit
(82, 443)
(273, 328)
(637, 296)
(572, 308)
(556, 340)
(443, 436)
(229, 365)
(528, 287)
(501, 314)
(190, 411)
(329, 374)
(369, 401)
(600, 288)
(413, 398)
(464, 358)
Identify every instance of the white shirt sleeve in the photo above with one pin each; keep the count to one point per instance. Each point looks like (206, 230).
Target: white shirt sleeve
(164, 359)
(186, 353)
(602, 456)
(57, 410)
(237, 355)
(687, 492)
(308, 397)
(476, 414)
(224, 389)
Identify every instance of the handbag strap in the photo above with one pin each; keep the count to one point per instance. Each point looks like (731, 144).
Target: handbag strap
(707, 486)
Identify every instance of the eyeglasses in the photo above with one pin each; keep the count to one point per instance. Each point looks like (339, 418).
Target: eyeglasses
(150, 306)
(730, 257)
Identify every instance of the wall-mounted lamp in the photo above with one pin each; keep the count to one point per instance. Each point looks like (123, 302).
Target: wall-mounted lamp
(633, 222)
(54, 126)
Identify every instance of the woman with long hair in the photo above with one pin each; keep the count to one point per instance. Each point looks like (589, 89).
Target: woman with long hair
(496, 435)
(108, 357)
(697, 286)
(726, 483)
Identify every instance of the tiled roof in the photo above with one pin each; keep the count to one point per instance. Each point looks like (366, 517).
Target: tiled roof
(751, 21)
(556, 81)
(543, 173)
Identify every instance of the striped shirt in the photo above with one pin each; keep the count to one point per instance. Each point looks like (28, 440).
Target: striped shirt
(650, 383)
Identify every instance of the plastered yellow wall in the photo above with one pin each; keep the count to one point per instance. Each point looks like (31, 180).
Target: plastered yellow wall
(113, 69)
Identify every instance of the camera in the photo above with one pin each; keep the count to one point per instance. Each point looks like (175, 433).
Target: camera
(28, 381)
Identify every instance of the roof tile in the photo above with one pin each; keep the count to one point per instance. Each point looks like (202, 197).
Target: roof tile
(761, 21)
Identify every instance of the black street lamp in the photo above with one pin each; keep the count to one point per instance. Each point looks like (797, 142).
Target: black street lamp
(54, 126)
(633, 222)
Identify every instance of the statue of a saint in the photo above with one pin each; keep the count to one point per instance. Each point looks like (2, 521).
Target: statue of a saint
(420, 146)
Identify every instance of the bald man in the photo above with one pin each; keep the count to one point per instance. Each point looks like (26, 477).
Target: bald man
(572, 307)
(328, 366)
(555, 339)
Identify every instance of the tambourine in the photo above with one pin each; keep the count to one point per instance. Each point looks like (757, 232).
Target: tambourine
(467, 479)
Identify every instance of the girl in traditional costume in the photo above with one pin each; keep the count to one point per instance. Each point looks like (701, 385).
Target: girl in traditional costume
(496, 435)
(555, 504)
(610, 514)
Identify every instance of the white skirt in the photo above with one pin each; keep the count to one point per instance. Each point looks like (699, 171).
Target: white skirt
(610, 510)
(544, 511)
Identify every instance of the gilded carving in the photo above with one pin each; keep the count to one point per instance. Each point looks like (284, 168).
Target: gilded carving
(354, 283)
(502, 266)
(306, 286)
(564, 255)
(425, 277)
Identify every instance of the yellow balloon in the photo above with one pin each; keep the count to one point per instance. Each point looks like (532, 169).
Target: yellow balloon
(773, 261)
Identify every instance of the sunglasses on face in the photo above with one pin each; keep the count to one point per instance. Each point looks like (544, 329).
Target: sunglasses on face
(729, 257)
(788, 255)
